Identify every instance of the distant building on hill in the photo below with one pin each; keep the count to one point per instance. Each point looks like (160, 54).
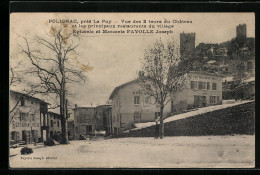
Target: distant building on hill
(187, 45)
(241, 32)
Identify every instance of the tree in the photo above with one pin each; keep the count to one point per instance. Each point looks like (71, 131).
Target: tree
(163, 74)
(54, 65)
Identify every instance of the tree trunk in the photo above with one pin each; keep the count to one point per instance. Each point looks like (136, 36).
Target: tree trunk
(63, 119)
(64, 136)
(161, 122)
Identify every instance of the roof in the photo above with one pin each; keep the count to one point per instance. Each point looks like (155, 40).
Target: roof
(85, 107)
(228, 79)
(28, 96)
(109, 107)
(133, 81)
(53, 113)
(71, 121)
(207, 73)
(104, 105)
(119, 87)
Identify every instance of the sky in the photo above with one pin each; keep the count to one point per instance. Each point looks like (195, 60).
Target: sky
(115, 58)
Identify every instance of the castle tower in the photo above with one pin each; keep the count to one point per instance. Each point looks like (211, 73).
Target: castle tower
(241, 31)
(187, 44)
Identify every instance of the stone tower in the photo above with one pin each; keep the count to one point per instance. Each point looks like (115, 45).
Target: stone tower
(241, 31)
(187, 44)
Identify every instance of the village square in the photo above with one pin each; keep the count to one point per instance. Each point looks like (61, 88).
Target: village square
(188, 105)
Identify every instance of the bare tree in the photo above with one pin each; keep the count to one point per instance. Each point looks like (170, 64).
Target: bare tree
(14, 79)
(163, 74)
(54, 65)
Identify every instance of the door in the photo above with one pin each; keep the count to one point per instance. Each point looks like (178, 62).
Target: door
(200, 101)
(35, 135)
(24, 136)
(204, 103)
(196, 101)
(88, 129)
(13, 135)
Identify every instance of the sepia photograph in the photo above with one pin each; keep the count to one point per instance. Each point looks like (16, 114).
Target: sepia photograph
(132, 90)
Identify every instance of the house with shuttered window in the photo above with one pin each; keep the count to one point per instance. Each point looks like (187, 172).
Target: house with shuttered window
(54, 123)
(26, 117)
(131, 105)
(84, 121)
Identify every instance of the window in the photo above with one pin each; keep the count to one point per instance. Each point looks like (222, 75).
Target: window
(194, 85)
(217, 99)
(117, 118)
(157, 114)
(76, 129)
(58, 124)
(32, 117)
(202, 85)
(51, 123)
(81, 119)
(13, 134)
(87, 118)
(137, 116)
(212, 99)
(137, 100)
(172, 106)
(23, 117)
(22, 101)
(214, 86)
(208, 85)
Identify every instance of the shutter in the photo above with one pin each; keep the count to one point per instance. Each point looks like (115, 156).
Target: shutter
(17, 136)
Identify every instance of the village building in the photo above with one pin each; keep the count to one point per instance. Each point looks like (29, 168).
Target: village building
(108, 120)
(99, 115)
(26, 118)
(84, 121)
(54, 123)
(131, 105)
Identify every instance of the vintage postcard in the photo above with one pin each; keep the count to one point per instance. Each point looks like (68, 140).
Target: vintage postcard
(132, 90)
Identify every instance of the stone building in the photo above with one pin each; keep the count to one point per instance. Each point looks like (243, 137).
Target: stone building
(84, 121)
(108, 120)
(54, 123)
(26, 118)
(131, 105)
(99, 115)
(187, 44)
(241, 31)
